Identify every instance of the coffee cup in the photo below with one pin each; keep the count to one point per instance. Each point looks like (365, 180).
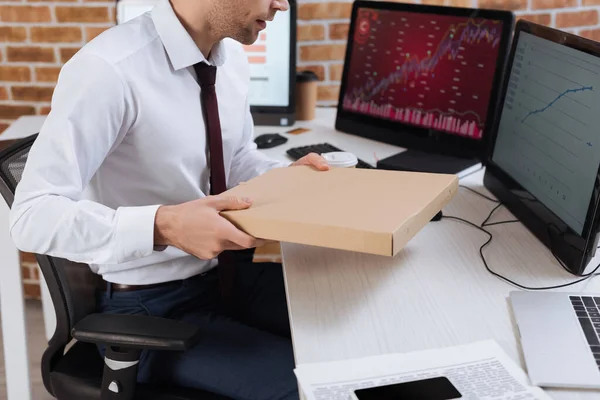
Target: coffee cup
(340, 159)
(306, 95)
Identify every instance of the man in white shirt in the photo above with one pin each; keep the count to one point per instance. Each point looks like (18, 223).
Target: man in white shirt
(119, 178)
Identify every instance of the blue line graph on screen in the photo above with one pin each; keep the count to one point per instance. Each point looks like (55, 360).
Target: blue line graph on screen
(541, 110)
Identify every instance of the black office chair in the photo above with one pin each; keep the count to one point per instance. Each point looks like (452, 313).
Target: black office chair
(79, 372)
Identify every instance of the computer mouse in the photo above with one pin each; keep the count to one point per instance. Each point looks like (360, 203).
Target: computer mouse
(268, 140)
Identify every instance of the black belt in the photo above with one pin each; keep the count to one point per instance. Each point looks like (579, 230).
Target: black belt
(119, 287)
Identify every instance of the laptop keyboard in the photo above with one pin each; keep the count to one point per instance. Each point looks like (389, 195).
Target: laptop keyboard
(587, 309)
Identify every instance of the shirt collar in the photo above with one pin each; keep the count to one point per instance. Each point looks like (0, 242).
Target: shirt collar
(178, 43)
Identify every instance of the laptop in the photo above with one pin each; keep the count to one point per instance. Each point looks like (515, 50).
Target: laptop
(560, 337)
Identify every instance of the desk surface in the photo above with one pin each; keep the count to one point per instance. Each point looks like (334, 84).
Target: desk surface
(434, 293)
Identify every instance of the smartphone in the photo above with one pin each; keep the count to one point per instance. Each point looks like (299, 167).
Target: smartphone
(439, 388)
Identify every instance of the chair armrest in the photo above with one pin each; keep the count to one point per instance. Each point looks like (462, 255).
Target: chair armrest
(136, 332)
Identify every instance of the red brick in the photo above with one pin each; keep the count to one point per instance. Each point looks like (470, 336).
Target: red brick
(542, 19)
(590, 2)
(593, 34)
(14, 112)
(12, 34)
(44, 110)
(3, 93)
(82, 14)
(455, 3)
(328, 93)
(67, 52)
(32, 93)
(56, 34)
(328, 10)
(504, 4)
(25, 13)
(30, 54)
(322, 52)
(310, 32)
(335, 72)
(3, 127)
(92, 31)
(25, 272)
(319, 70)
(47, 74)
(27, 257)
(15, 74)
(32, 291)
(338, 31)
(577, 18)
(547, 4)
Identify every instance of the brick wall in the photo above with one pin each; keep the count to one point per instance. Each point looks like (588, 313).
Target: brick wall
(38, 36)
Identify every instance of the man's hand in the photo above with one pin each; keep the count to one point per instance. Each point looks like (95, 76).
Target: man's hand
(314, 160)
(197, 228)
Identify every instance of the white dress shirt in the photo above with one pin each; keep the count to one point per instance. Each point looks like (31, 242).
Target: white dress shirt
(125, 135)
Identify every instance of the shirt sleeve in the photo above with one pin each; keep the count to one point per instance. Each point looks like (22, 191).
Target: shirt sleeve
(91, 112)
(248, 162)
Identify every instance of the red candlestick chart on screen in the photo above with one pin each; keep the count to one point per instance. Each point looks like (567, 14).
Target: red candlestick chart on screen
(430, 71)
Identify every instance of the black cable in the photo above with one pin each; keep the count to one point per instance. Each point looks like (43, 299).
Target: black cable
(490, 214)
(490, 236)
(486, 224)
(512, 221)
(480, 194)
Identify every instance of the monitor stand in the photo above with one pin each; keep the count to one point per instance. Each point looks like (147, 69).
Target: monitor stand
(273, 119)
(420, 161)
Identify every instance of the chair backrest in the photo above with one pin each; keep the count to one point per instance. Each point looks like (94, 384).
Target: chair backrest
(71, 285)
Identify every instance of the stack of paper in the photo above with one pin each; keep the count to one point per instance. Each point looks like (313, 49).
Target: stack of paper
(481, 370)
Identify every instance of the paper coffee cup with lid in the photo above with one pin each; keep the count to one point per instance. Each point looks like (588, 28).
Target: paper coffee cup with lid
(340, 159)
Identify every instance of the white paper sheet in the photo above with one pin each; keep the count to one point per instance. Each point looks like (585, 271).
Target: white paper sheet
(480, 370)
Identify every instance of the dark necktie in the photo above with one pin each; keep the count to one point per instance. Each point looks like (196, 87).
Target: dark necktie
(206, 78)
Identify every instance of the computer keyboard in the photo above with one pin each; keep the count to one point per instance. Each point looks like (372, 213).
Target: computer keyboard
(588, 314)
(301, 151)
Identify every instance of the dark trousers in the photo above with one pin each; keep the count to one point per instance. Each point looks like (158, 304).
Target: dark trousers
(247, 355)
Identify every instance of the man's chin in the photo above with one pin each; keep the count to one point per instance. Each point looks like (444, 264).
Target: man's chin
(248, 37)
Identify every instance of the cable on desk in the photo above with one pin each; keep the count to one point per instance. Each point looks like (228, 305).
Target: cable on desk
(485, 223)
(490, 215)
(501, 277)
(511, 221)
(480, 194)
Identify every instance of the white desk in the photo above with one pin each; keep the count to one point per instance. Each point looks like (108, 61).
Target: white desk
(434, 293)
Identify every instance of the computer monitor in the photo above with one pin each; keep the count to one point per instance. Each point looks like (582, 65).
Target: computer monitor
(424, 77)
(272, 64)
(273, 71)
(545, 158)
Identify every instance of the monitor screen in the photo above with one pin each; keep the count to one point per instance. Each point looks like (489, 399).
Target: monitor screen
(547, 138)
(424, 77)
(269, 59)
(427, 70)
